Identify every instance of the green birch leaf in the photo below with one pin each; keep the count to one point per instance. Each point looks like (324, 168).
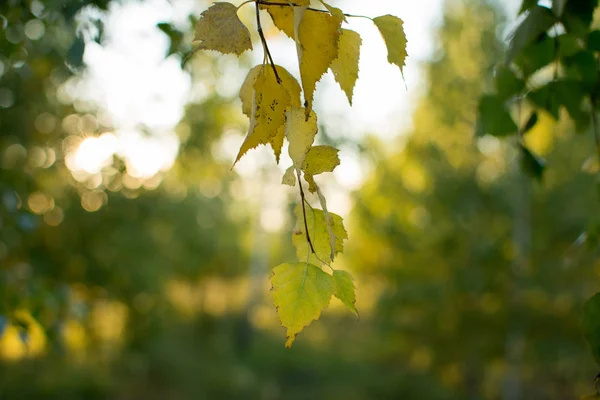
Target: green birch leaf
(345, 290)
(319, 235)
(300, 293)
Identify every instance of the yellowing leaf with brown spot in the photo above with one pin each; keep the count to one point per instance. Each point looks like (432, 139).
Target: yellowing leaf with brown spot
(345, 66)
(319, 235)
(289, 178)
(318, 38)
(391, 28)
(220, 29)
(300, 133)
(300, 293)
(345, 290)
(287, 80)
(267, 122)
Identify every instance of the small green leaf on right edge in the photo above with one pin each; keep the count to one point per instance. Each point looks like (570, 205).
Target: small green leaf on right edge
(533, 165)
(590, 324)
(300, 292)
(345, 290)
(391, 28)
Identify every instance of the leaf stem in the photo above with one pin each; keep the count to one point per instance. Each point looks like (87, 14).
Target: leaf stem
(272, 3)
(304, 213)
(244, 3)
(264, 42)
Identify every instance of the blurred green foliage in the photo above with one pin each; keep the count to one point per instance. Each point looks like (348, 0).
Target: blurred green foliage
(472, 277)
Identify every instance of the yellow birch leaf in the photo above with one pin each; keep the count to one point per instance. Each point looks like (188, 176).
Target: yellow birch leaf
(270, 101)
(319, 235)
(345, 66)
(336, 12)
(289, 178)
(312, 185)
(220, 29)
(300, 293)
(345, 290)
(318, 37)
(283, 18)
(328, 222)
(287, 80)
(320, 159)
(300, 133)
(392, 31)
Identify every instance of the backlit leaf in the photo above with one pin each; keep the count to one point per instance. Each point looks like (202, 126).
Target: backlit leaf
(317, 37)
(220, 29)
(300, 133)
(300, 292)
(395, 40)
(287, 80)
(289, 177)
(319, 235)
(345, 290)
(336, 12)
(283, 18)
(345, 66)
(320, 159)
(269, 103)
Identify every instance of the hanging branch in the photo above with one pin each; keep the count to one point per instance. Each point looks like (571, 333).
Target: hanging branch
(312, 249)
(264, 42)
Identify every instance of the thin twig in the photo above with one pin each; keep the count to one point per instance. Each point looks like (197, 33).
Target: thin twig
(244, 3)
(304, 214)
(264, 42)
(271, 3)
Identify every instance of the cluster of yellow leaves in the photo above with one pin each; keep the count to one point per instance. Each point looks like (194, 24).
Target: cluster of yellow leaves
(271, 98)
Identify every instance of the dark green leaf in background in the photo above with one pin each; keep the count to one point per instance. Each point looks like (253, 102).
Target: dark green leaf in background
(532, 165)
(590, 324)
(494, 118)
(538, 21)
(507, 83)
